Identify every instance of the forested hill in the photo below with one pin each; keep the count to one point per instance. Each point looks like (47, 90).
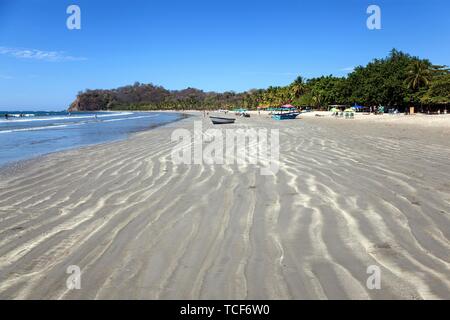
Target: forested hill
(399, 80)
(150, 97)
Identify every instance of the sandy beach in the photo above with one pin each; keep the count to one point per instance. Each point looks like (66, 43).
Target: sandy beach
(349, 194)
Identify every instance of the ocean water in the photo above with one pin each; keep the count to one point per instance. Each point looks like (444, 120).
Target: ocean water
(26, 135)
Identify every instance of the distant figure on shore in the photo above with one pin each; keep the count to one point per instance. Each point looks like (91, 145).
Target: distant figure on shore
(6, 116)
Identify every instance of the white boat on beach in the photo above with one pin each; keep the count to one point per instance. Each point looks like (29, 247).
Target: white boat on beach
(220, 120)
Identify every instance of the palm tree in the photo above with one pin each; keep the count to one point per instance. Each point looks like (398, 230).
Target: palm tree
(269, 95)
(298, 87)
(284, 95)
(318, 99)
(419, 75)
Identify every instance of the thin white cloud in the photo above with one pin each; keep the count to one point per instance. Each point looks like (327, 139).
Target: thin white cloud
(35, 54)
(5, 77)
(348, 69)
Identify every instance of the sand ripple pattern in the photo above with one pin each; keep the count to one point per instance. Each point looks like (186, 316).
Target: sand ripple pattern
(139, 227)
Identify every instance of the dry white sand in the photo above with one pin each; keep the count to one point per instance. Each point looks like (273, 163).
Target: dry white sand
(418, 119)
(349, 194)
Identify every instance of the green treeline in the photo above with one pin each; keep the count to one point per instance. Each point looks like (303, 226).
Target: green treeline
(397, 81)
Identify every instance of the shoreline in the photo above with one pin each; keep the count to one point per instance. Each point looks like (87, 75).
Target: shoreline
(140, 227)
(15, 165)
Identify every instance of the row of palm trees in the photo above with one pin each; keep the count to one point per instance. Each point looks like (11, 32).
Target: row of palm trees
(419, 76)
(274, 96)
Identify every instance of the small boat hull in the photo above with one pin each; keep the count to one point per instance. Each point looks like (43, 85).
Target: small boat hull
(220, 120)
(285, 116)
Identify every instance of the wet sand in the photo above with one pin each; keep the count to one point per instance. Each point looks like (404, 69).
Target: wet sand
(348, 195)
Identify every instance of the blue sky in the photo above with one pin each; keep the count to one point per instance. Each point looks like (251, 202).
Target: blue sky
(212, 45)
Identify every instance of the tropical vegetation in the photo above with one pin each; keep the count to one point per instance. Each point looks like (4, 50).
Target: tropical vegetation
(397, 81)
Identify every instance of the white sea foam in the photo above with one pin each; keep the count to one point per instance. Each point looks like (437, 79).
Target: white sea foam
(91, 116)
(129, 118)
(34, 128)
(50, 127)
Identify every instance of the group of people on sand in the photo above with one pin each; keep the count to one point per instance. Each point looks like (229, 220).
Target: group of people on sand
(7, 116)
